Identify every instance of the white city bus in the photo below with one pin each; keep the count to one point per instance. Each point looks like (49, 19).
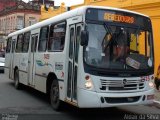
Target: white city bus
(90, 57)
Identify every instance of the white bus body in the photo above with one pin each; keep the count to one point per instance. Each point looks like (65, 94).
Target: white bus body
(41, 60)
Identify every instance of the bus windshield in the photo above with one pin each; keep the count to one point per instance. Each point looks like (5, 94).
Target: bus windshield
(119, 46)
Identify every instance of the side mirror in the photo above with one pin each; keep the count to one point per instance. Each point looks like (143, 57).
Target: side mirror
(84, 38)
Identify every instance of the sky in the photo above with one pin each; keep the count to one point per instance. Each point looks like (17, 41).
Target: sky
(67, 2)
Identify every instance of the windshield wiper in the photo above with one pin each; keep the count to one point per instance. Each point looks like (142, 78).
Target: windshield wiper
(107, 28)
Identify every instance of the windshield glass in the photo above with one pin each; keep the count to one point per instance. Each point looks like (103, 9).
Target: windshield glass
(118, 47)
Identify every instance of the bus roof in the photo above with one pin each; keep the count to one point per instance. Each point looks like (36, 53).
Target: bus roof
(66, 15)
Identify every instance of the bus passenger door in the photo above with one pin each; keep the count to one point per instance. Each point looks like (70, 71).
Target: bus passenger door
(31, 59)
(73, 62)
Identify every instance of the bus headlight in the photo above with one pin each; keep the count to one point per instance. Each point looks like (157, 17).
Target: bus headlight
(151, 84)
(88, 83)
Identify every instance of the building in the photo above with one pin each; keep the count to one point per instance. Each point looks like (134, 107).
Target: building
(48, 3)
(15, 16)
(7, 3)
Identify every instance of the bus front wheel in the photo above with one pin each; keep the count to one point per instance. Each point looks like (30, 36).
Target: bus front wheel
(54, 96)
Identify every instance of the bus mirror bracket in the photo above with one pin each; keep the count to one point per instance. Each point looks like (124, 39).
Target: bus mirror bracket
(84, 38)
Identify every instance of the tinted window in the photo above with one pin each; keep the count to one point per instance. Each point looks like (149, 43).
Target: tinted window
(57, 37)
(43, 39)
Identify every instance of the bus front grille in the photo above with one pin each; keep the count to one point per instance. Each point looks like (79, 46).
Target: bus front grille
(122, 85)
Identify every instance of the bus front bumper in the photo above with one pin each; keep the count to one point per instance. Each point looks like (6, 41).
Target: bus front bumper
(90, 99)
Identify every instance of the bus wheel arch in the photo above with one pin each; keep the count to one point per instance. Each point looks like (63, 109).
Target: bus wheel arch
(51, 76)
(17, 84)
(53, 91)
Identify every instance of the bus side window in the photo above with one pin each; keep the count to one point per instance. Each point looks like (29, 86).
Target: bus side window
(19, 43)
(26, 42)
(43, 39)
(57, 37)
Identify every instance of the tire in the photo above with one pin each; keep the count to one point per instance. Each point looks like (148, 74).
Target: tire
(17, 85)
(54, 96)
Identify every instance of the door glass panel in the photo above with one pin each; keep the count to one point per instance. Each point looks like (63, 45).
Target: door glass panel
(70, 65)
(71, 43)
(69, 80)
(75, 84)
(77, 43)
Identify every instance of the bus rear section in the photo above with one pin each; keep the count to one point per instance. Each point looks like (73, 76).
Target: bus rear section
(116, 60)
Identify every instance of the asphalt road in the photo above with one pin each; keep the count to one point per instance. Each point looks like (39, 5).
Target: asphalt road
(29, 104)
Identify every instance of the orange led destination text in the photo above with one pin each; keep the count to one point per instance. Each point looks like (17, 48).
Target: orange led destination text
(118, 18)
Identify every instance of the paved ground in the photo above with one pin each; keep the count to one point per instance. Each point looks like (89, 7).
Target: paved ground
(157, 95)
(157, 99)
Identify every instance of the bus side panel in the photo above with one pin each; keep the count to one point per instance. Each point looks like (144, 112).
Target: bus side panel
(40, 83)
(21, 61)
(41, 72)
(46, 63)
(23, 68)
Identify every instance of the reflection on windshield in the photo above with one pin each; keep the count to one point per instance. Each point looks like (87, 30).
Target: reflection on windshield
(116, 47)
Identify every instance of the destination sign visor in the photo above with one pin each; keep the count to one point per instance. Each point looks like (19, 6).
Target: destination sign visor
(116, 16)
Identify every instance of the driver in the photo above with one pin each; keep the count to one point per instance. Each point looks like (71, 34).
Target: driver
(121, 48)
